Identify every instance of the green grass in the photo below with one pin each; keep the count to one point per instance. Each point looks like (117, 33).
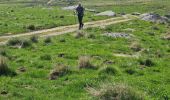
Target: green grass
(40, 58)
(34, 83)
(19, 18)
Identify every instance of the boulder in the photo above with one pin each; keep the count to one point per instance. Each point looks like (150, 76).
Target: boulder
(106, 13)
(154, 18)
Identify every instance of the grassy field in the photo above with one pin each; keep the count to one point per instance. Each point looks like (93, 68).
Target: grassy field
(25, 16)
(40, 58)
(86, 64)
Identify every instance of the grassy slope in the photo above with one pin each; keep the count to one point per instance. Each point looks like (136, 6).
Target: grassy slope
(34, 83)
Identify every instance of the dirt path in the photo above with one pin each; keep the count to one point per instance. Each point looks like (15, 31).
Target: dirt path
(71, 28)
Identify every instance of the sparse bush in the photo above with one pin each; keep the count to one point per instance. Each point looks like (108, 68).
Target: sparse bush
(4, 69)
(58, 71)
(109, 70)
(147, 62)
(46, 57)
(31, 27)
(34, 38)
(48, 40)
(84, 62)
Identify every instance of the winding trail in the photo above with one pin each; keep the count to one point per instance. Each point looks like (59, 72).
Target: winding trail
(71, 28)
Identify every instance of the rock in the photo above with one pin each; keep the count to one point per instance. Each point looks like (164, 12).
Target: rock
(117, 35)
(106, 13)
(91, 10)
(154, 18)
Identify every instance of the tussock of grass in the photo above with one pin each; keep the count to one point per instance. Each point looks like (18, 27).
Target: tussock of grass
(84, 62)
(20, 43)
(109, 70)
(130, 71)
(58, 71)
(116, 92)
(136, 47)
(4, 69)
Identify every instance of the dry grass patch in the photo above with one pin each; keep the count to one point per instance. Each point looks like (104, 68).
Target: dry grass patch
(84, 62)
(116, 92)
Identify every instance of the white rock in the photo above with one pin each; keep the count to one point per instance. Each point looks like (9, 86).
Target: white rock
(106, 13)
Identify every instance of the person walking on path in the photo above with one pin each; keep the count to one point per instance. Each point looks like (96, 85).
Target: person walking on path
(80, 14)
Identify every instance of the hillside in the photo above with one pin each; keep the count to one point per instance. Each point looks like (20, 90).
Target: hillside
(123, 57)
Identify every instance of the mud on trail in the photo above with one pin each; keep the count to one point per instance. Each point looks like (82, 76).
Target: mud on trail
(71, 28)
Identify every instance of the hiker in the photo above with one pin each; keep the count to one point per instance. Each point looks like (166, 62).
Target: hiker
(80, 14)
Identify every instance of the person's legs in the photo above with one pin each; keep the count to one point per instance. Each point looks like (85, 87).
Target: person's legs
(80, 22)
(80, 18)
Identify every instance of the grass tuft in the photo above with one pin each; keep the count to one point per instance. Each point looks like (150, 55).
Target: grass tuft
(110, 91)
(109, 70)
(48, 40)
(4, 69)
(147, 62)
(34, 39)
(22, 43)
(58, 71)
(84, 62)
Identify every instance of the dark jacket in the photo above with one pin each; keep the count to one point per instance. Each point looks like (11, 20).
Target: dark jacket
(80, 11)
